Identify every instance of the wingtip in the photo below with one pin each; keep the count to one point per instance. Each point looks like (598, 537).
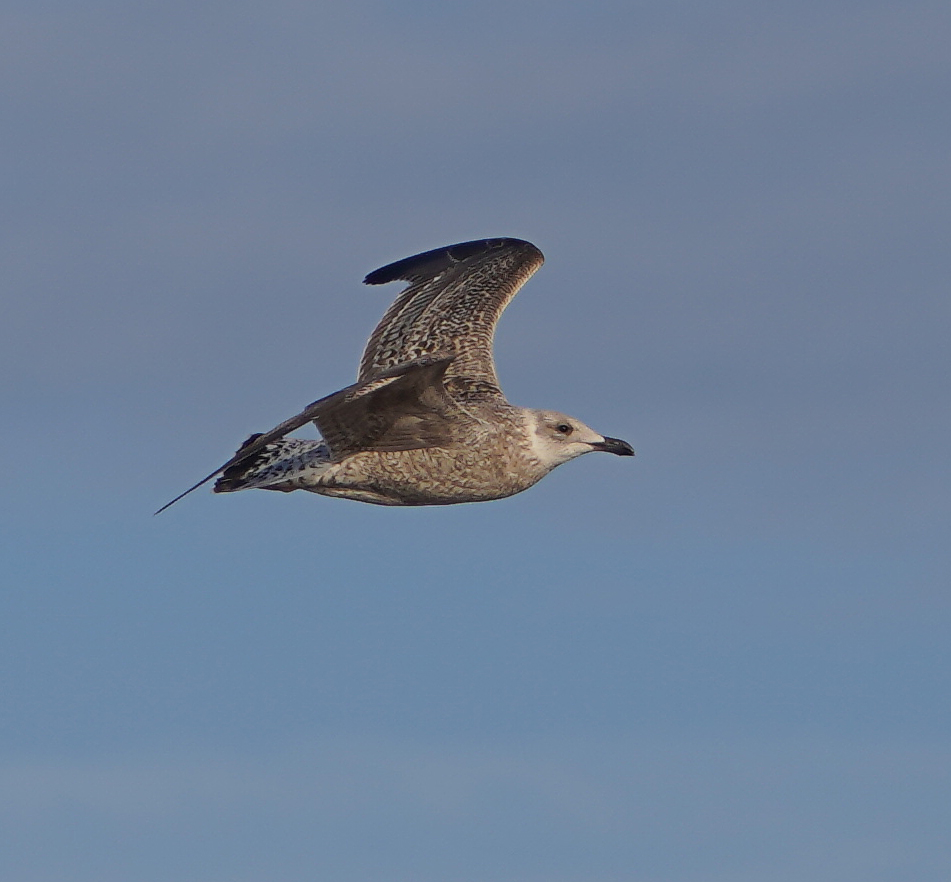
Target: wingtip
(167, 505)
(438, 259)
(183, 495)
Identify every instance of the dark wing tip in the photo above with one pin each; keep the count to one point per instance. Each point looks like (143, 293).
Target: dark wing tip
(183, 495)
(431, 263)
(236, 460)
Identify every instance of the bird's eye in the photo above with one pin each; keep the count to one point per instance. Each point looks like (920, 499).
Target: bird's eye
(564, 428)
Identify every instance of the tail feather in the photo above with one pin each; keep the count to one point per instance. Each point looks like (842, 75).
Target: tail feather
(282, 465)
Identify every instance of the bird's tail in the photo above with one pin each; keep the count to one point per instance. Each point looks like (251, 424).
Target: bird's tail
(288, 464)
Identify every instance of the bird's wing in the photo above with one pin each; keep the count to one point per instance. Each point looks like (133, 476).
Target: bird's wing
(403, 408)
(453, 302)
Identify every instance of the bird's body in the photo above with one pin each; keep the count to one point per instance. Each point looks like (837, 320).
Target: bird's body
(490, 462)
(426, 422)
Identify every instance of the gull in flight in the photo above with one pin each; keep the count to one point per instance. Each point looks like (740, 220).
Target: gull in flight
(426, 423)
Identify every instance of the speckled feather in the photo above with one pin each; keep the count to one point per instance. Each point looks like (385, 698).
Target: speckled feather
(453, 303)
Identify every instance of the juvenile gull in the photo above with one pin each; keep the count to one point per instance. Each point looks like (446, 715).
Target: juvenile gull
(426, 422)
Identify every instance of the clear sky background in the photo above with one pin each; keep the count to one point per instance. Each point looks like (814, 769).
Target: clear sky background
(725, 660)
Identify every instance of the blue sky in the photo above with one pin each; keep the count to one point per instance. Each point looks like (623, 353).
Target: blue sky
(725, 659)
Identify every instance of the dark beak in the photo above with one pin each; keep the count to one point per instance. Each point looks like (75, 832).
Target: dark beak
(614, 445)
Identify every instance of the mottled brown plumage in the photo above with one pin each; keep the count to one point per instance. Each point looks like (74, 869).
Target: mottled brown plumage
(426, 423)
(453, 303)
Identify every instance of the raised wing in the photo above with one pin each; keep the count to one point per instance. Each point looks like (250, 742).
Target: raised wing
(453, 302)
(404, 408)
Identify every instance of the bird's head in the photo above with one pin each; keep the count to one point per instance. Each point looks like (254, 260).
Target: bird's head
(556, 438)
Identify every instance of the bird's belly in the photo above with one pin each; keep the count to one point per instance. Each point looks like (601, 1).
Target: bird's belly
(431, 476)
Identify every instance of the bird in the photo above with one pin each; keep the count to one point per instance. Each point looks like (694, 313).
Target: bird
(426, 423)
